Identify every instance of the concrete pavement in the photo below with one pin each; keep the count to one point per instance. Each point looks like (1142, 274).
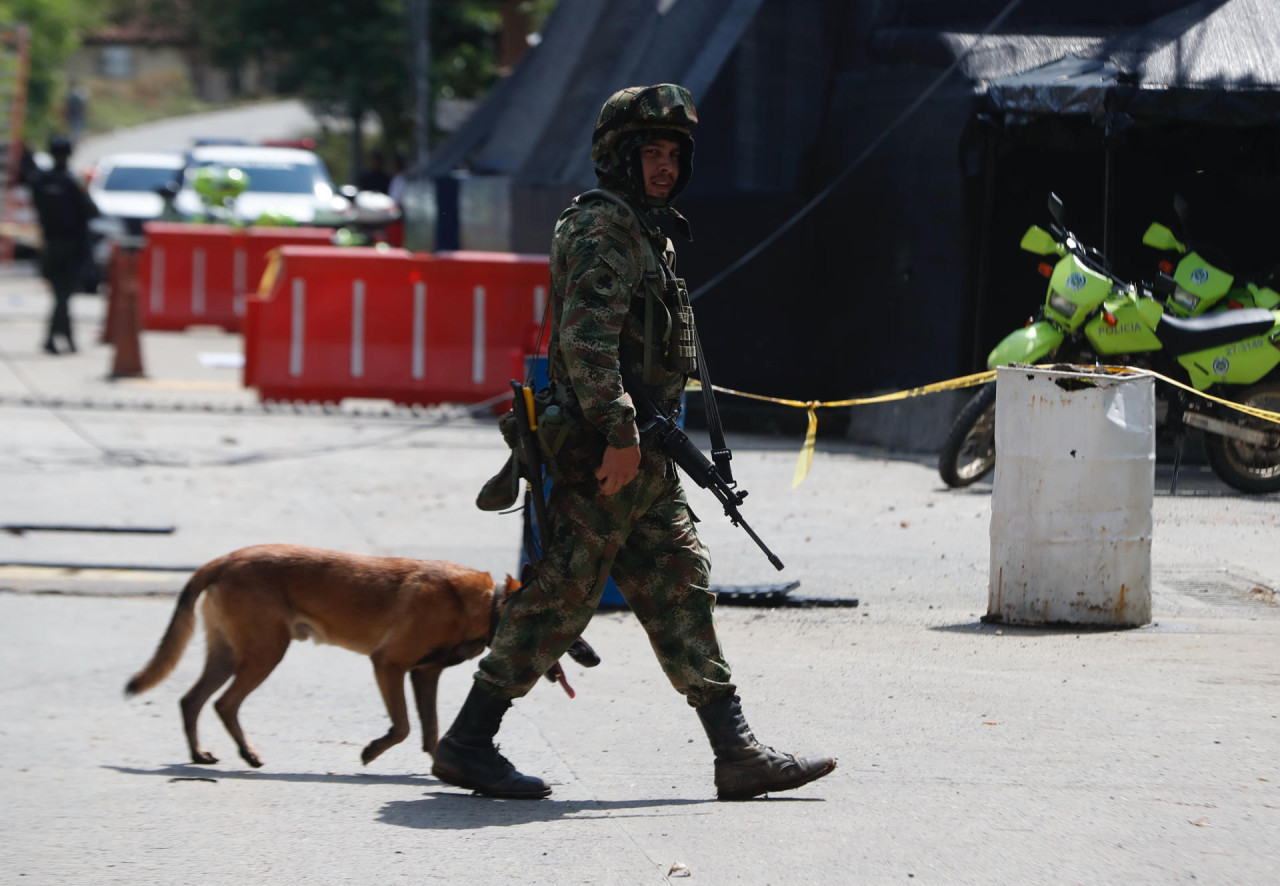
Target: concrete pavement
(968, 753)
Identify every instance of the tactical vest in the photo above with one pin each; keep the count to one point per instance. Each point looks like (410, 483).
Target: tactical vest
(674, 347)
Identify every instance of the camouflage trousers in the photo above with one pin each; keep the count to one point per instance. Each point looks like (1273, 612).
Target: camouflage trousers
(645, 538)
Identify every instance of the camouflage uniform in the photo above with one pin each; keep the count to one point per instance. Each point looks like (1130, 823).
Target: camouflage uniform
(615, 305)
(607, 257)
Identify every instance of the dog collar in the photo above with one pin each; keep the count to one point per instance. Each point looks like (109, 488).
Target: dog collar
(495, 613)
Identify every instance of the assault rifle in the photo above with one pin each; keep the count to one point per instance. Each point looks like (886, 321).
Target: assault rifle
(658, 429)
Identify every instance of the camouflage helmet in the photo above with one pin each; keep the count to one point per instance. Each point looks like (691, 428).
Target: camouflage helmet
(630, 118)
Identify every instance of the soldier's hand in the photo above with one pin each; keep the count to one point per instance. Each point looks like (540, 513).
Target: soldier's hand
(617, 468)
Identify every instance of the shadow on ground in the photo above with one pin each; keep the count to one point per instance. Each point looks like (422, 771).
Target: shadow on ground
(444, 810)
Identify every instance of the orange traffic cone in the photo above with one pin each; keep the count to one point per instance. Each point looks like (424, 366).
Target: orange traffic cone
(123, 314)
(113, 287)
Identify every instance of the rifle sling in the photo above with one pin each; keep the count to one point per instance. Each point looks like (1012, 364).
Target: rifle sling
(720, 453)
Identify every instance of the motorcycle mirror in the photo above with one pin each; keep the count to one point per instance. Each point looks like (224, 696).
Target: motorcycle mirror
(1160, 237)
(1057, 210)
(1180, 208)
(1040, 241)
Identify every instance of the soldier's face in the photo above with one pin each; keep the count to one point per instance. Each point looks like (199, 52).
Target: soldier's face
(660, 164)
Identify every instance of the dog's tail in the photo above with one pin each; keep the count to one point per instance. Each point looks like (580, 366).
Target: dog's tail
(177, 635)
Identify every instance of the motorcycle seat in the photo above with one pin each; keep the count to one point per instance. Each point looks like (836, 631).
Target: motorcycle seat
(1185, 335)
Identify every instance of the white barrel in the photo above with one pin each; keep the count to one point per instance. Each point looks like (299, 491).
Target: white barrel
(1071, 505)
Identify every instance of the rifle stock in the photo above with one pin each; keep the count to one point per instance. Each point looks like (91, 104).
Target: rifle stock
(530, 456)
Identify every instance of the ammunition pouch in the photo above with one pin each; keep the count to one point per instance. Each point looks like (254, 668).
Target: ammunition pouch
(572, 447)
(682, 348)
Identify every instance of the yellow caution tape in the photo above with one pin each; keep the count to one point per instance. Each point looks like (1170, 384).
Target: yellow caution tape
(806, 451)
(805, 461)
(268, 280)
(1264, 414)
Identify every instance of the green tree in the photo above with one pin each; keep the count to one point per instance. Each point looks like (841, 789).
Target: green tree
(55, 28)
(349, 59)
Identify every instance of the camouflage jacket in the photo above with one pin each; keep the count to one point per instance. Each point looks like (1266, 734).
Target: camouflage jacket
(600, 275)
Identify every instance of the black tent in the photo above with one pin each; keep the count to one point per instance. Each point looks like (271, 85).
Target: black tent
(1215, 62)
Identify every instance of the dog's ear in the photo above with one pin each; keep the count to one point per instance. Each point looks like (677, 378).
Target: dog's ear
(512, 585)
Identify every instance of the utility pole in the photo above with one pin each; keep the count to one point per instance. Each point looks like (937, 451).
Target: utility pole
(420, 26)
(514, 41)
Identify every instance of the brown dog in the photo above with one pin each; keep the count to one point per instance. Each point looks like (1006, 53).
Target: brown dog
(414, 617)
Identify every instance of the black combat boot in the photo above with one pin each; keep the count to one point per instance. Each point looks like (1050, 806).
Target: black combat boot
(467, 758)
(744, 767)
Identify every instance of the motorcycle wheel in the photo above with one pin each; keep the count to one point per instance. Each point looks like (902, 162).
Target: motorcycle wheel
(969, 452)
(1245, 466)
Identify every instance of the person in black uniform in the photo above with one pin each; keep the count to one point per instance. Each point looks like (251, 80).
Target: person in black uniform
(64, 210)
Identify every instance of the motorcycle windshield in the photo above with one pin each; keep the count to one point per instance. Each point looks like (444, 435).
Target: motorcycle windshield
(1075, 291)
(1199, 284)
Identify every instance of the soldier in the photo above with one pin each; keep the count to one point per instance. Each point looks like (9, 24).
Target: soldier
(64, 210)
(617, 508)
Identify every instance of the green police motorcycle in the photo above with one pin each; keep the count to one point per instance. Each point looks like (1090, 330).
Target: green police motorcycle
(1195, 285)
(1092, 317)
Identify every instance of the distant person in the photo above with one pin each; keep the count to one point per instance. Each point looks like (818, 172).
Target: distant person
(64, 210)
(375, 178)
(76, 111)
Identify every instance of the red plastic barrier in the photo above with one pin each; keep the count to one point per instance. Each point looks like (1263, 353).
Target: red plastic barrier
(332, 323)
(193, 275)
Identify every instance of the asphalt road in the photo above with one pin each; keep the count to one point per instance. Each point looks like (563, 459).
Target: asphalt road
(263, 120)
